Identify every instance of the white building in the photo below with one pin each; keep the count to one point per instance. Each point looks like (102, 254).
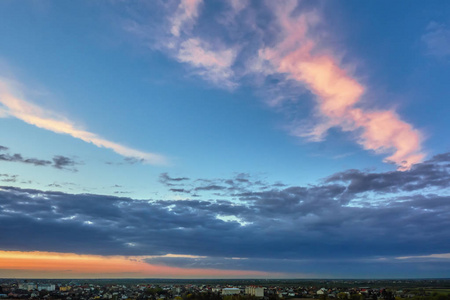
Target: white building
(46, 286)
(231, 291)
(29, 286)
(254, 291)
(322, 291)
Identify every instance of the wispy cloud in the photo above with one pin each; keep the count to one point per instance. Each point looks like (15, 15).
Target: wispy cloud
(338, 94)
(431, 256)
(185, 16)
(13, 104)
(176, 36)
(58, 161)
(213, 64)
(437, 40)
(286, 55)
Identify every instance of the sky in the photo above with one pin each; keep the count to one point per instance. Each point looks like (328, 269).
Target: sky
(224, 139)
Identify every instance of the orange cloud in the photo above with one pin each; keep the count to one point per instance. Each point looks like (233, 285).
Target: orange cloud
(69, 265)
(338, 93)
(16, 106)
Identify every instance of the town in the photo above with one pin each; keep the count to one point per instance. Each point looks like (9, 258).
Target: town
(426, 289)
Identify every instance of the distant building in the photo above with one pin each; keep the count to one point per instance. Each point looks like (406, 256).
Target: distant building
(28, 286)
(46, 287)
(254, 291)
(231, 291)
(322, 291)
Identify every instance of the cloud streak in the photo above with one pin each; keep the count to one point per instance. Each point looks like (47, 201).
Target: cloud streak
(290, 48)
(299, 55)
(212, 64)
(59, 161)
(16, 106)
(437, 40)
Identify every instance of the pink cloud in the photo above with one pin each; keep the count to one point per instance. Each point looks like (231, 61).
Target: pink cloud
(185, 16)
(213, 64)
(13, 105)
(338, 94)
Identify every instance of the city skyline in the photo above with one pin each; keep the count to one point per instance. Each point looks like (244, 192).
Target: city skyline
(224, 139)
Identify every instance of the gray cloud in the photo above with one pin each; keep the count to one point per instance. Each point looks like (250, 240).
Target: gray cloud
(8, 178)
(180, 191)
(239, 183)
(165, 179)
(64, 162)
(58, 161)
(18, 158)
(211, 187)
(351, 215)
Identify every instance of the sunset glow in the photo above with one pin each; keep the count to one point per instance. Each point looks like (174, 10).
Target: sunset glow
(224, 139)
(70, 265)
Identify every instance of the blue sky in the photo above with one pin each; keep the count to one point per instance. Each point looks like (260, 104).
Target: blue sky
(259, 117)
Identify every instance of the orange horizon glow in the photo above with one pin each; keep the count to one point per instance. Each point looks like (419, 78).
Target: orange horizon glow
(71, 265)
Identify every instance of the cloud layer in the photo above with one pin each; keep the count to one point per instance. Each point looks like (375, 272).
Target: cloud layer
(351, 217)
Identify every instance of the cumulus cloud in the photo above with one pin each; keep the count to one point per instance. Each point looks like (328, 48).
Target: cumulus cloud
(354, 215)
(15, 105)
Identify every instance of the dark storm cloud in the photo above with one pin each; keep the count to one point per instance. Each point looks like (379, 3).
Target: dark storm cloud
(349, 215)
(58, 161)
